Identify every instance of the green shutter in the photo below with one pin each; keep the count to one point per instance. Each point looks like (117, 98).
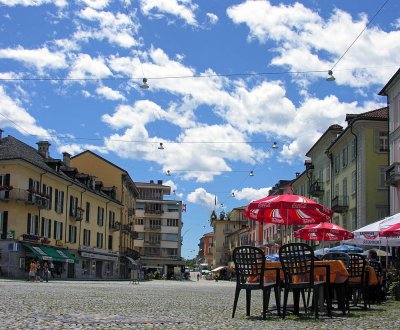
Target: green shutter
(28, 227)
(42, 227)
(55, 199)
(49, 231)
(5, 227)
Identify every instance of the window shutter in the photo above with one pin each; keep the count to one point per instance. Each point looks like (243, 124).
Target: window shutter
(50, 198)
(62, 202)
(75, 228)
(28, 228)
(71, 201)
(42, 227)
(5, 227)
(376, 140)
(61, 225)
(30, 183)
(7, 180)
(55, 199)
(49, 231)
(98, 215)
(55, 230)
(37, 225)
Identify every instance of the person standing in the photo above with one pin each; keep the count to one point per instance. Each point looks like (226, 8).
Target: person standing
(51, 269)
(198, 276)
(46, 271)
(38, 272)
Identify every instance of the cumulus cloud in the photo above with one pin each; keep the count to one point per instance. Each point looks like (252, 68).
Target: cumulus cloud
(84, 66)
(40, 58)
(201, 197)
(109, 94)
(212, 18)
(16, 117)
(251, 194)
(304, 40)
(183, 9)
(33, 3)
(96, 4)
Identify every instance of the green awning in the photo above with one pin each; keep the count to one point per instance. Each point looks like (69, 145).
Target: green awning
(39, 251)
(61, 255)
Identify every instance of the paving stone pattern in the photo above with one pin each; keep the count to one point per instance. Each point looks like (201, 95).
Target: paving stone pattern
(158, 305)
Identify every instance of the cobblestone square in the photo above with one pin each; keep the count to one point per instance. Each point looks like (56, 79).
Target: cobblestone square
(158, 304)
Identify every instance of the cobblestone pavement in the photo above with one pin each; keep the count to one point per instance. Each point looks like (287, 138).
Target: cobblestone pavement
(158, 304)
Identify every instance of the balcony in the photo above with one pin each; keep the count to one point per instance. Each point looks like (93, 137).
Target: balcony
(153, 212)
(227, 230)
(131, 211)
(316, 189)
(340, 204)
(393, 174)
(152, 228)
(77, 214)
(114, 226)
(152, 243)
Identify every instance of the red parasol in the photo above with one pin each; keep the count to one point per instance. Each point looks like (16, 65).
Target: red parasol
(325, 231)
(392, 231)
(287, 210)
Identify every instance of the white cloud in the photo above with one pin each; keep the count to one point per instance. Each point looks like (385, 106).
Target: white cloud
(85, 66)
(96, 4)
(35, 3)
(183, 9)
(109, 93)
(13, 115)
(212, 18)
(40, 58)
(201, 197)
(116, 28)
(304, 41)
(251, 194)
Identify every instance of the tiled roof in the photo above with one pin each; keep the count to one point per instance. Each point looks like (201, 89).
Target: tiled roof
(377, 114)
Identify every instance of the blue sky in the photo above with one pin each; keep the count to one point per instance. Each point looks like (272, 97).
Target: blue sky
(220, 92)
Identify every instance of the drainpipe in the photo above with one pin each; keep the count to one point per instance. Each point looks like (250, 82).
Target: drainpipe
(40, 189)
(80, 225)
(356, 159)
(105, 226)
(66, 214)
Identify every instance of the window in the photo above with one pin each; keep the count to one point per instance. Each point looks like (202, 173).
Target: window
(48, 192)
(353, 182)
(155, 223)
(383, 142)
(139, 222)
(99, 241)
(328, 173)
(354, 223)
(344, 189)
(382, 211)
(321, 175)
(353, 149)
(344, 221)
(336, 189)
(381, 177)
(336, 163)
(110, 242)
(59, 201)
(33, 188)
(111, 219)
(86, 237)
(170, 237)
(172, 222)
(87, 216)
(154, 238)
(33, 224)
(4, 181)
(46, 228)
(72, 234)
(58, 230)
(345, 156)
(3, 224)
(100, 216)
(73, 206)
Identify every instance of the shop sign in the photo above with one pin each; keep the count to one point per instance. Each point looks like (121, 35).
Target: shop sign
(14, 247)
(11, 234)
(30, 237)
(98, 256)
(59, 243)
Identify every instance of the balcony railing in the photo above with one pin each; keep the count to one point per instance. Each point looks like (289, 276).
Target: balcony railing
(316, 189)
(156, 212)
(152, 243)
(154, 228)
(393, 174)
(340, 204)
(77, 214)
(115, 226)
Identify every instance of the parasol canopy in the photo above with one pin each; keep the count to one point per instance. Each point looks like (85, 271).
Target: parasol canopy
(392, 231)
(324, 231)
(346, 248)
(287, 210)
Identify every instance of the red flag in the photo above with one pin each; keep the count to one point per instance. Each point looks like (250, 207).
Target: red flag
(183, 207)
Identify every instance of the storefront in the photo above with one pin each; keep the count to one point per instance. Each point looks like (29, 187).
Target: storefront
(98, 264)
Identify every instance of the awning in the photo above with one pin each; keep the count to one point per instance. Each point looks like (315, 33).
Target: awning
(133, 262)
(204, 265)
(61, 255)
(218, 268)
(38, 251)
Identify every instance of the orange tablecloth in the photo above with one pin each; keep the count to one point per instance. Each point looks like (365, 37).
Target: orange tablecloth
(338, 271)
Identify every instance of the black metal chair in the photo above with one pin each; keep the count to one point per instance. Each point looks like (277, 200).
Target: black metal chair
(357, 282)
(340, 288)
(250, 267)
(297, 261)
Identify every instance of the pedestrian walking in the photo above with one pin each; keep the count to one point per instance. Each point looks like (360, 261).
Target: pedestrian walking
(32, 271)
(38, 272)
(198, 276)
(46, 271)
(51, 267)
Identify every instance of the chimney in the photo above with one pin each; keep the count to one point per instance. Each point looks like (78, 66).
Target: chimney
(43, 148)
(159, 182)
(66, 158)
(151, 181)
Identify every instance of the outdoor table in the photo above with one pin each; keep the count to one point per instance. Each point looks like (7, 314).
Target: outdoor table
(338, 271)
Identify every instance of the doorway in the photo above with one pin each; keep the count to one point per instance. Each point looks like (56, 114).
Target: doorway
(99, 266)
(71, 270)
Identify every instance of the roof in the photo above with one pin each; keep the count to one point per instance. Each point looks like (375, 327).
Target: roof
(14, 149)
(389, 83)
(334, 127)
